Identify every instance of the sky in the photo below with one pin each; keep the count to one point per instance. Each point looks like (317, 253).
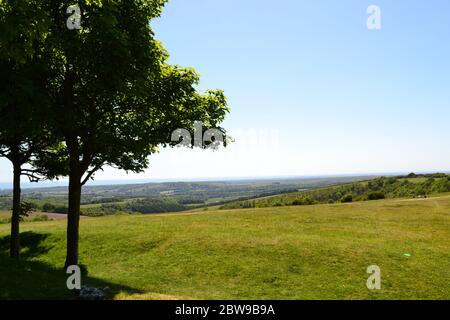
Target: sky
(312, 90)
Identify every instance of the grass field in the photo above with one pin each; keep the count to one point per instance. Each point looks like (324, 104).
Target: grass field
(307, 252)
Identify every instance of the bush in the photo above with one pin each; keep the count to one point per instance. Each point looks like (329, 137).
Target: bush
(305, 201)
(54, 208)
(39, 217)
(48, 207)
(347, 198)
(376, 195)
(61, 209)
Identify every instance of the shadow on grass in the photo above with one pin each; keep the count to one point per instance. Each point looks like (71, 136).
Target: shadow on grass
(31, 245)
(30, 279)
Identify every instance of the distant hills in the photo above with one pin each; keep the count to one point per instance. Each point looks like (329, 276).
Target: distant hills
(406, 186)
(167, 196)
(163, 197)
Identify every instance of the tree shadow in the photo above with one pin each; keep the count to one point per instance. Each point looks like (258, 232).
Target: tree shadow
(30, 279)
(31, 244)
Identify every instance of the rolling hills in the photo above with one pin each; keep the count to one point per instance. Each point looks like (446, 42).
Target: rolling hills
(98, 200)
(410, 186)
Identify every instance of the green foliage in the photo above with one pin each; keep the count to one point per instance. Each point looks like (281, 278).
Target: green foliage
(145, 206)
(54, 208)
(24, 80)
(376, 195)
(48, 207)
(25, 95)
(305, 201)
(347, 198)
(240, 205)
(25, 209)
(116, 99)
(374, 189)
(5, 202)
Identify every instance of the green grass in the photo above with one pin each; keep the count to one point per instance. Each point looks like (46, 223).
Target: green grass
(311, 252)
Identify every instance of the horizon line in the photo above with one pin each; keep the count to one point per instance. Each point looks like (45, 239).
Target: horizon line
(98, 183)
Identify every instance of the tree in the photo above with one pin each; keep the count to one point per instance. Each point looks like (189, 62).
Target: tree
(23, 82)
(347, 198)
(115, 99)
(304, 201)
(376, 195)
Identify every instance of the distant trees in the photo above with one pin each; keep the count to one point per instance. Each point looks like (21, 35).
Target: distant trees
(53, 208)
(246, 204)
(347, 198)
(376, 195)
(375, 189)
(304, 201)
(155, 205)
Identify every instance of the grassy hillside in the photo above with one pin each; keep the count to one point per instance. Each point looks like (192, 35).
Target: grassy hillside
(410, 186)
(306, 252)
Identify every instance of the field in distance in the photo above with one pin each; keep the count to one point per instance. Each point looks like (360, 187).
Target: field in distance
(291, 252)
(165, 197)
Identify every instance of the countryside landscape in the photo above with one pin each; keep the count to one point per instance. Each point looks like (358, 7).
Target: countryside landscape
(310, 244)
(248, 153)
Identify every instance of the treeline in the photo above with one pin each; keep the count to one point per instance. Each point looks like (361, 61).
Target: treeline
(112, 205)
(409, 186)
(145, 206)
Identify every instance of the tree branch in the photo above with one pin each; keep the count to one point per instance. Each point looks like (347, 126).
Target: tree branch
(32, 175)
(90, 173)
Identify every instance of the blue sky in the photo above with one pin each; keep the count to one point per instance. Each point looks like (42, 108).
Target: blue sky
(312, 91)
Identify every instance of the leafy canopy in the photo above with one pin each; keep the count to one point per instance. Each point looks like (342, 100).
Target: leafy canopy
(115, 97)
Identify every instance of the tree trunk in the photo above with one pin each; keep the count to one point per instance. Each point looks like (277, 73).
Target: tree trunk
(71, 137)
(73, 219)
(15, 218)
